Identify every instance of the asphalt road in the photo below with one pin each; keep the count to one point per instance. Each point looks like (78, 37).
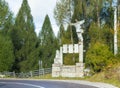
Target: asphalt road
(39, 84)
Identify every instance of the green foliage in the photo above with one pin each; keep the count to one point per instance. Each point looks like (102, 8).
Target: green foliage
(70, 59)
(48, 43)
(78, 10)
(27, 49)
(103, 35)
(98, 56)
(46, 35)
(6, 46)
(61, 34)
(32, 61)
(6, 18)
(95, 33)
(4, 12)
(119, 40)
(24, 39)
(67, 37)
(61, 12)
(6, 53)
(107, 36)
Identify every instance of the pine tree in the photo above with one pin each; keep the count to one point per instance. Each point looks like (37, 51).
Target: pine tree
(6, 53)
(47, 43)
(67, 36)
(78, 10)
(6, 46)
(61, 34)
(6, 17)
(24, 38)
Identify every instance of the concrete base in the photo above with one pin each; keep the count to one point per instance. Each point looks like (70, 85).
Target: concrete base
(68, 71)
(56, 69)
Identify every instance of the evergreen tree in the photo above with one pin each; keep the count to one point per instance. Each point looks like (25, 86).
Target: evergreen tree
(61, 34)
(67, 36)
(24, 38)
(106, 14)
(78, 10)
(6, 46)
(6, 53)
(104, 35)
(6, 19)
(47, 43)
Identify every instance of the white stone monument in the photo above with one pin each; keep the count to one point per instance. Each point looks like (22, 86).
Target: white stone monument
(58, 69)
(70, 49)
(79, 31)
(57, 57)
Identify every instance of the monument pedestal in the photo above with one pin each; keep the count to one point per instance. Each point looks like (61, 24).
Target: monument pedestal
(59, 70)
(56, 70)
(79, 69)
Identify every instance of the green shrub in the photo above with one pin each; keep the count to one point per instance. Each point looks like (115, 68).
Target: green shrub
(98, 56)
(70, 59)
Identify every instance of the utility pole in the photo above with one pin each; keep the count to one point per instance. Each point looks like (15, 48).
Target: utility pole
(114, 4)
(115, 31)
(70, 21)
(71, 29)
(97, 8)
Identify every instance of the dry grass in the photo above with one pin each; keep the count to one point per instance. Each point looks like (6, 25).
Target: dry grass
(110, 75)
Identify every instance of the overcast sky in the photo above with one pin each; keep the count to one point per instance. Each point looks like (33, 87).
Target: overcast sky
(39, 9)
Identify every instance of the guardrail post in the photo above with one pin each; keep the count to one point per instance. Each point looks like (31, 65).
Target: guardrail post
(31, 75)
(14, 74)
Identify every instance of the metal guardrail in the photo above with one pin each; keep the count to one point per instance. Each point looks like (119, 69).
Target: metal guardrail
(40, 72)
(7, 74)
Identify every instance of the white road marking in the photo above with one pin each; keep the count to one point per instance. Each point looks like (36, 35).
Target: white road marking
(25, 84)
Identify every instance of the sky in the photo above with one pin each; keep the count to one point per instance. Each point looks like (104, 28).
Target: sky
(39, 9)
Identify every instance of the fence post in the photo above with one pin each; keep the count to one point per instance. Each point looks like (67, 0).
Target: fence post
(31, 74)
(43, 72)
(39, 72)
(14, 74)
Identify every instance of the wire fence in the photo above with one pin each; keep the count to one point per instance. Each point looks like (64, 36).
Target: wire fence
(30, 74)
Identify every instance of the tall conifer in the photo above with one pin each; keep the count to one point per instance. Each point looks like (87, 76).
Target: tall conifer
(61, 34)
(47, 43)
(24, 37)
(6, 46)
(6, 17)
